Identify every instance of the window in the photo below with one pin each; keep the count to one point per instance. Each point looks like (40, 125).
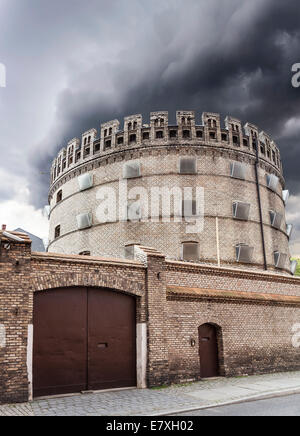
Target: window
(262, 148)
(85, 253)
(280, 259)
(57, 232)
(146, 136)
(238, 170)
(173, 133)
(276, 219)
(84, 221)
(241, 210)
(244, 253)
(188, 166)
(272, 182)
(59, 196)
(212, 135)
(87, 151)
(190, 251)
(186, 134)
(245, 142)
(224, 137)
(189, 208)
(107, 144)
(159, 134)
(132, 169)
(199, 134)
(129, 252)
(85, 181)
(132, 139)
(236, 140)
(97, 148)
(120, 140)
(110, 131)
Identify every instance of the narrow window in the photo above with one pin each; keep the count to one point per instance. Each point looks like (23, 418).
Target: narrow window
(236, 140)
(59, 196)
(107, 144)
(159, 134)
(186, 134)
(199, 134)
(120, 140)
(245, 142)
(57, 232)
(97, 148)
(188, 166)
(173, 133)
(212, 135)
(224, 137)
(190, 251)
(146, 136)
(132, 139)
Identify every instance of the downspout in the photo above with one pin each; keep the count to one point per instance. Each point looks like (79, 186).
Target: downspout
(260, 208)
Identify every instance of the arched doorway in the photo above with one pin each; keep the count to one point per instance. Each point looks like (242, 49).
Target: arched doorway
(84, 339)
(208, 351)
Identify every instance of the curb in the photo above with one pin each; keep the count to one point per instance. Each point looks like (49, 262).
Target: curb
(267, 395)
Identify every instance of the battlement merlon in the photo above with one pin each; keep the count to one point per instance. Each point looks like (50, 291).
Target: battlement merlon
(111, 135)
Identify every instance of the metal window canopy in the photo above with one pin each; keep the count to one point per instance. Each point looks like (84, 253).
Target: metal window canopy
(280, 259)
(84, 221)
(132, 169)
(276, 219)
(85, 181)
(294, 265)
(46, 211)
(190, 251)
(285, 196)
(188, 166)
(272, 181)
(244, 253)
(238, 170)
(241, 210)
(289, 229)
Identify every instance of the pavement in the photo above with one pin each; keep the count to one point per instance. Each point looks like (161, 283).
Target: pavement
(176, 399)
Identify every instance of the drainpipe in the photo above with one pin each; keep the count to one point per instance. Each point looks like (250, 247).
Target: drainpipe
(260, 208)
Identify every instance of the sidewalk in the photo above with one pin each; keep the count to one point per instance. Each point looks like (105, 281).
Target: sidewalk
(155, 402)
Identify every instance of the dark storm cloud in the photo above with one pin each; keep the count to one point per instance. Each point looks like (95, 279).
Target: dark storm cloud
(115, 58)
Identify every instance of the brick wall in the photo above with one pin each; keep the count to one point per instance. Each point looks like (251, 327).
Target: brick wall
(254, 312)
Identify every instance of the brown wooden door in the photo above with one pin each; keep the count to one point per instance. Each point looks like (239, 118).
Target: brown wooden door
(208, 351)
(111, 340)
(83, 339)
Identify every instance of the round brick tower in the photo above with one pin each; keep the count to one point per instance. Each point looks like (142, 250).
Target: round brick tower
(233, 176)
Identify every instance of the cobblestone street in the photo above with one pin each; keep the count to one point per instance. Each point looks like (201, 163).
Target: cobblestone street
(174, 399)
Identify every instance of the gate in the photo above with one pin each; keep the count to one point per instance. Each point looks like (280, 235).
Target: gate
(84, 339)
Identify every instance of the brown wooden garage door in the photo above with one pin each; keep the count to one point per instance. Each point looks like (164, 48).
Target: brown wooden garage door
(84, 339)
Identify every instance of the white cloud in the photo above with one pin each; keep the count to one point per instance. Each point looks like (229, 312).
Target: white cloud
(16, 214)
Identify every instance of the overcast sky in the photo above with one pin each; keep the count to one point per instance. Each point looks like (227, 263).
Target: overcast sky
(72, 64)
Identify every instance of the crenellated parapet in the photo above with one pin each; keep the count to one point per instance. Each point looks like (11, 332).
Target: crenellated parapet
(159, 132)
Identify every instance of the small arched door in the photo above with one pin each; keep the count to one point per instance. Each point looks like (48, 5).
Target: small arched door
(208, 351)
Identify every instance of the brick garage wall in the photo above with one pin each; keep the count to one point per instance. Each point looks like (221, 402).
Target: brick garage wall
(15, 315)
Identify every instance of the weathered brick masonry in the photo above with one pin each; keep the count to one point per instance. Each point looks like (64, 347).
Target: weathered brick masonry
(254, 311)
